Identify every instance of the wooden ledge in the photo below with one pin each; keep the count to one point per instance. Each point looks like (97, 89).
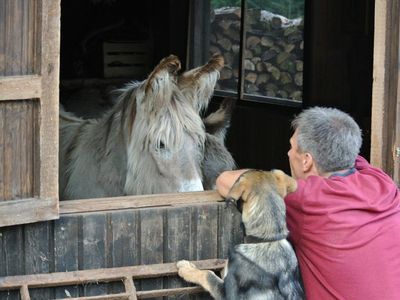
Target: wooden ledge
(146, 201)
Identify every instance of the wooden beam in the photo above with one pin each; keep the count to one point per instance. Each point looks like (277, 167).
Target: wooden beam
(20, 87)
(24, 293)
(384, 93)
(27, 211)
(50, 70)
(169, 292)
(101, 275)
(159, 200)
(121, 296)
(130, 288)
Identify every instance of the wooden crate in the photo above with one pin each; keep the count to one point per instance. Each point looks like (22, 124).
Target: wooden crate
(125, 59)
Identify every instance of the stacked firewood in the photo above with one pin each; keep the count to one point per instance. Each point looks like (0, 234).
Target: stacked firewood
(273, 54)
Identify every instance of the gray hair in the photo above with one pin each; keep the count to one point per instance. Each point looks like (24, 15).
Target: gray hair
(331, 136)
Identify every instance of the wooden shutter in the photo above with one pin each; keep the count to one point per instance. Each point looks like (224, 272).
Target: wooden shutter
(385, 131)
(29, 77)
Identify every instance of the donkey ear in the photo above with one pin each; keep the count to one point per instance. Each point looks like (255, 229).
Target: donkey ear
(160, 84)
(197, 85)
(218, 122)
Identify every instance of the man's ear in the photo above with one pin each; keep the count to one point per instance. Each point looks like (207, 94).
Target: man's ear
(308, 162)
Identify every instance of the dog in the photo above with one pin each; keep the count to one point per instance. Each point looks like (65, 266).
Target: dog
(266, 266)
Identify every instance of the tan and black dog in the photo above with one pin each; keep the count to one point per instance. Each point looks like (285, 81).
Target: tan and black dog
(266, 266)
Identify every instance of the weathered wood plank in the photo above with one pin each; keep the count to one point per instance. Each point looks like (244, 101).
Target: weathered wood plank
(168, 200)
(94, 237)
(18, 47)
(206, 235)
(10, 262)
(50, 55)
(9, 168)
(23, 210)
(2, 40)
(38, 254)
(66, 254)
(25, 293)
(125, 242)
(230, 231)
(29, 36)
(121, 296)
(151, 243)
(13, 241)
(178, 223)
(101, 275)
(2, 149)
(13, 36)
(169, 292)
(20, 87)
(384, 94)
(130, 288)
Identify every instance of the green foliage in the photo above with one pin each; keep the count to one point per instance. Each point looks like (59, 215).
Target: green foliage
(288, 8)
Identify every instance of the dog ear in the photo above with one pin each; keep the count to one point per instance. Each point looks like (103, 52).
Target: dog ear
(286, 183)
(242, 186)
(237, 189)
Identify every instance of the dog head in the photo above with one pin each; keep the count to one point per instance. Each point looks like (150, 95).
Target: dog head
(259, 194)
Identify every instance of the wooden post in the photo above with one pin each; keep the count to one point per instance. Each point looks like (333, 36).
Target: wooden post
(130, 288)
(385, 99)
(24, 292)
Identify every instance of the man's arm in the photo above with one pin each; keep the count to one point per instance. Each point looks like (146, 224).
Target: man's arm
(226, 180)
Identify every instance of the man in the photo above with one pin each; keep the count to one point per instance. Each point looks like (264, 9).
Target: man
(344, 217)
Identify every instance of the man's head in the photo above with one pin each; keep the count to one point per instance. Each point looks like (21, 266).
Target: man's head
(325, 140)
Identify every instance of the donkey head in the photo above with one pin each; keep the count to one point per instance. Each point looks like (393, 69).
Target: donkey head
(166, 141)
(152, 141)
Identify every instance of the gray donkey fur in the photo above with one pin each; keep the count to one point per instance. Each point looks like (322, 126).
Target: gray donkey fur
(152, 141)
(217, 158)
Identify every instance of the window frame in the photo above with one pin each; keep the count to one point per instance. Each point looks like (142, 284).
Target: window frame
(199, 30)
(42, 86)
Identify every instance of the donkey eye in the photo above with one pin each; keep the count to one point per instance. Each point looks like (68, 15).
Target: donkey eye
(161, 146)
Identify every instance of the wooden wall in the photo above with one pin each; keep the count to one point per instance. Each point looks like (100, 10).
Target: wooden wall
(18, 37)
(117, 238)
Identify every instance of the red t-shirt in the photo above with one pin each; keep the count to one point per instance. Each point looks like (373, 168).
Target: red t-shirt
(346, 234)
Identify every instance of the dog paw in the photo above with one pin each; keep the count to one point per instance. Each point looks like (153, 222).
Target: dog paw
(185, 269)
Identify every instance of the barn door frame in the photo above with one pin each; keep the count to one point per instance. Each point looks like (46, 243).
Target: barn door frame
(385, 129)
(41, 86)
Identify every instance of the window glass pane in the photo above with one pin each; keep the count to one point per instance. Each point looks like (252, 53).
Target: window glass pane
(273, 54)
(225, 39)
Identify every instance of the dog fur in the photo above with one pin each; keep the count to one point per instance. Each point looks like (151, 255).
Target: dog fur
(266, 267)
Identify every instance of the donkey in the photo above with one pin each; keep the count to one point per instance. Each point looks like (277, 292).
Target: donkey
(217, 158)
(152, 141)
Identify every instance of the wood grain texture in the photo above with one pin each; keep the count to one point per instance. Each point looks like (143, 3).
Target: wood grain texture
(20, 87)
(119, 238)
